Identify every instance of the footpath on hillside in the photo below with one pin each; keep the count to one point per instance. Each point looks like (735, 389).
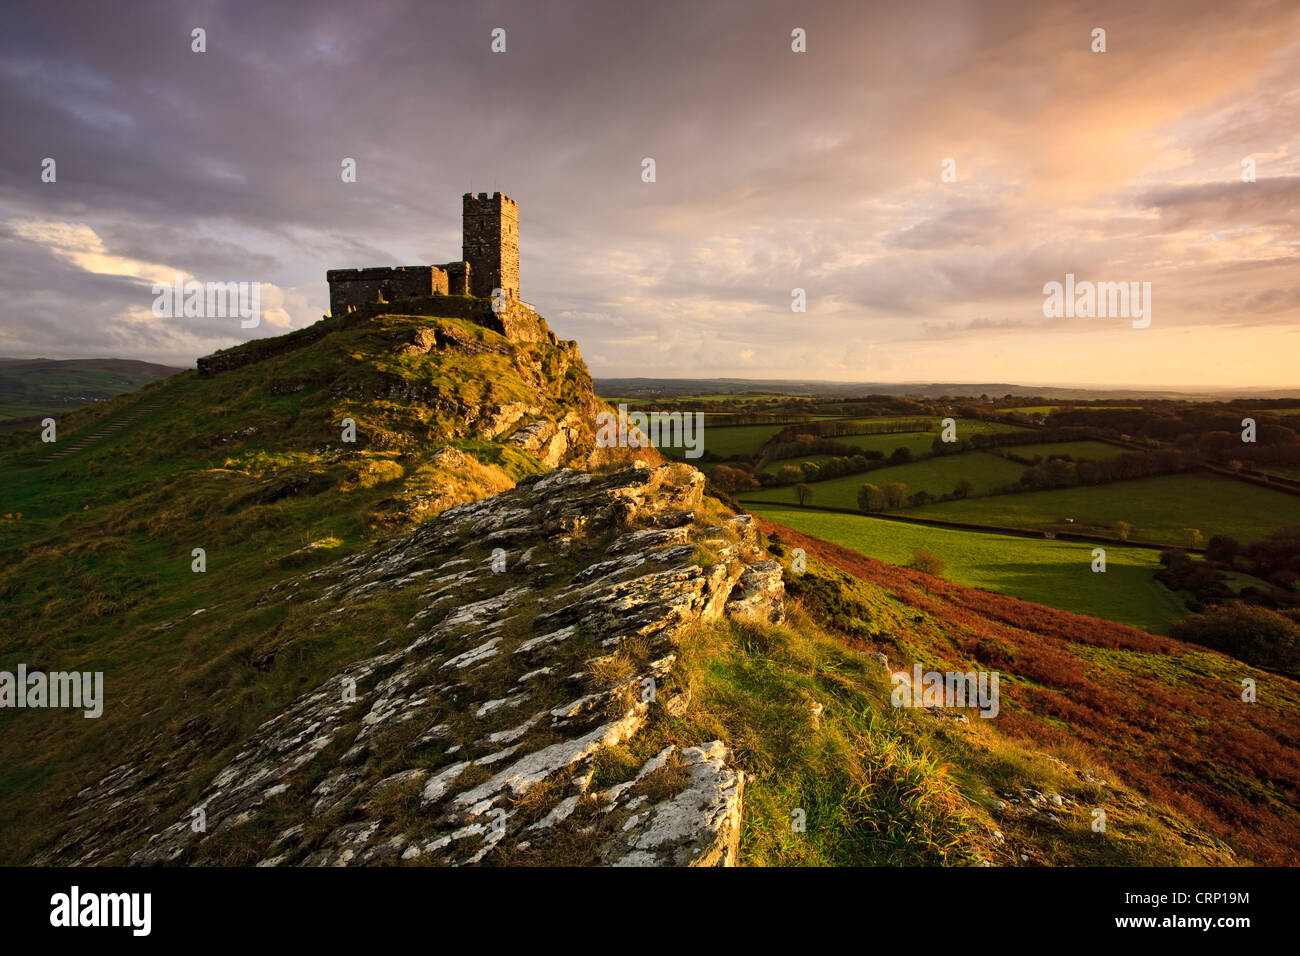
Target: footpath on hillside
(103, 431)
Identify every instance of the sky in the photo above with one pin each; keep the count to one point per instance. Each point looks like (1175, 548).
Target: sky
(921, 170)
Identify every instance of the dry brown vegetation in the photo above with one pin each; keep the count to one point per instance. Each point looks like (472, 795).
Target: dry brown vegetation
(1167, 717)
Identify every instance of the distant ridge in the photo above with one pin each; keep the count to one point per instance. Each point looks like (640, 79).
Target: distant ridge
(32, 388)
(104, 364)
(671, 387)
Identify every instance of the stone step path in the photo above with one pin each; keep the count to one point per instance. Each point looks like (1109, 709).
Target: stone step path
(103, 431)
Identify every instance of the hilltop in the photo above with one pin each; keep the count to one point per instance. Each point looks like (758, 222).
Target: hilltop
(474, 636)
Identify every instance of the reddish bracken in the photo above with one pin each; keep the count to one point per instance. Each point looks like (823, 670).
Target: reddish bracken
(1184, 739)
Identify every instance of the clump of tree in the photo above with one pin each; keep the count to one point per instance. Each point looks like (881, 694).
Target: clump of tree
(892, 495)
(1222, 549)
(871, 498)
(1063, 472)
(1247, 632)
(1276, 557)
(941, 447)
(789, 474)
(802, 445)
(1179, 572)
(824, 470)
(895, 494)
(729, 479)
(803, 492)
(923, 560)
(830, 428)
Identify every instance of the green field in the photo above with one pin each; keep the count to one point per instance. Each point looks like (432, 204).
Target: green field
(1157, 508)
(1055, 573)
(966, 427)
(727, 440)
(938, 476)
(1095, 450)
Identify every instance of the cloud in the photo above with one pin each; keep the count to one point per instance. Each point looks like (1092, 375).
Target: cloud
(776, 171)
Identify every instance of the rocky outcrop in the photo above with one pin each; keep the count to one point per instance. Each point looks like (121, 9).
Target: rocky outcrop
(545, 633)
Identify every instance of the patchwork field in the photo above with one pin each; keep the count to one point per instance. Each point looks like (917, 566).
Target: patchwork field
(1157, 508)
(938, 476)
(1055, 573)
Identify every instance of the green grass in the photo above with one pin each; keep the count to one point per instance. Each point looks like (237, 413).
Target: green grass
(939, 476)
(869, 788)
(1157, 508)
(1055, 573)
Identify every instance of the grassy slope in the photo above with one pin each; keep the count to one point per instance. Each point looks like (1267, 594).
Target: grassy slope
(1157, 508)
(248, 465)
(1163, 716)
(1055, 573)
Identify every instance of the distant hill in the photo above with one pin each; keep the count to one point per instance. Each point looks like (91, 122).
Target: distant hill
(36, 387)
(678, 387)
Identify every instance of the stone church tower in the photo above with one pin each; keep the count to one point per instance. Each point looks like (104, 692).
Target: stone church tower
(490, 243)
